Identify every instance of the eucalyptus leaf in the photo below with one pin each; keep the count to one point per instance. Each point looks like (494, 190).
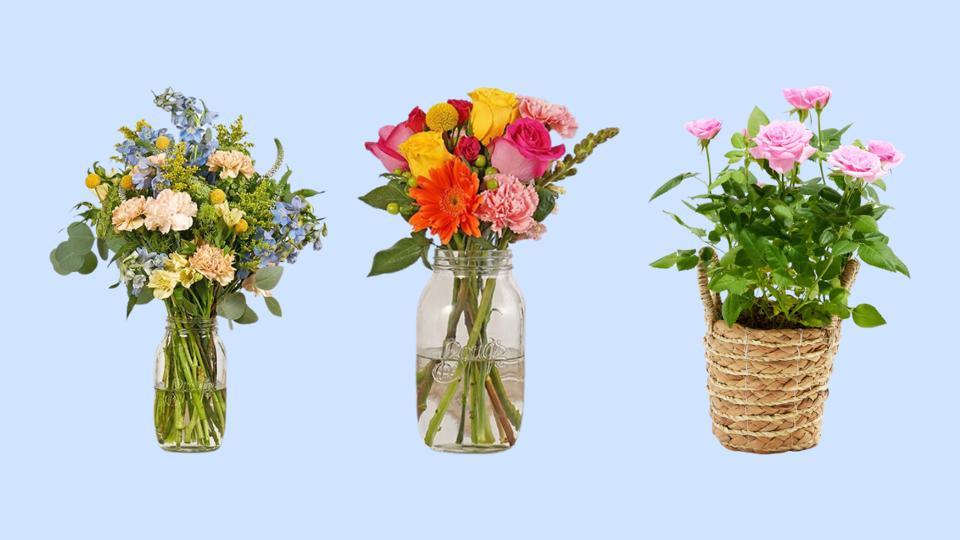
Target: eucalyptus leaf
(273, 306)
(232, 306)
(268, 278)
(249, 317)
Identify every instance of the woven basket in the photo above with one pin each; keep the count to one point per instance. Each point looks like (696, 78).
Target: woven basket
(767, 387)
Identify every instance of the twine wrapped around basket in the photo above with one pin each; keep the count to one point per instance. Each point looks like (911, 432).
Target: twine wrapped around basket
(767, 387)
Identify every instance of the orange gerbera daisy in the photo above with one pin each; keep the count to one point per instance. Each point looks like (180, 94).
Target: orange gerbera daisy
(448, 201)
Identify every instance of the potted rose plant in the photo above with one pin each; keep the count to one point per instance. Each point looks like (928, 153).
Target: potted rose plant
(781, 254)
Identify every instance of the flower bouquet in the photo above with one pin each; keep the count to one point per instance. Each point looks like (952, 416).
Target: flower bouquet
(479, 175)
(187, 220)
(781, 254)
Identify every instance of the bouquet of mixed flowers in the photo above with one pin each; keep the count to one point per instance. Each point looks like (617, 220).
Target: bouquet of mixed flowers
(479, 175)
(776, 248)
(189, 221)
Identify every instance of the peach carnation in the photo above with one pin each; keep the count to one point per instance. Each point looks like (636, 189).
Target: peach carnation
(213, 264)
(555, 117)
(511, 205)
(170, 210)
(231, 163)
(129, 215)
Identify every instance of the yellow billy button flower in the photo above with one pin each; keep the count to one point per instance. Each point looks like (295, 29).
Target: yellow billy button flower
(442, 117)
(162, 142)
(242, 226)
(93, 180)
(126, 182)
(217, 196)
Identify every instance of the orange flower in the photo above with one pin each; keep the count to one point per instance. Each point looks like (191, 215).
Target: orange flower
(448, 201)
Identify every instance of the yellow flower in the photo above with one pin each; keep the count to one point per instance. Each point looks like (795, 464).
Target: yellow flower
(241, 227)
(217, 196)
(442, 117)
(424, 152)
(179, 264)
(126, 182)
(163, 282)
(162, 142)
(492, 110)
(231, 216)
(92, 180)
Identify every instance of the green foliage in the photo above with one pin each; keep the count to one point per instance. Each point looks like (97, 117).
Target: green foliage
(232, 137)
(268, 278)
(782, 246)
(400, 255)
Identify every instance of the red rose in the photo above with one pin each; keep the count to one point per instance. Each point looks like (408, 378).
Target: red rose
(417, 120)
(468, 148)
(463, 108)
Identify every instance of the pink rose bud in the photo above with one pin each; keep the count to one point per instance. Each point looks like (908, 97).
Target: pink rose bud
(856, 163)
(889, 156)
(783, 144)
(803, 99)
(704, 129)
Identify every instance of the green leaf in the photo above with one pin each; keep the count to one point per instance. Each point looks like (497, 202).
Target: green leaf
(232, 306)
(867, 316)
(305, 193)
(89, 264)
(783, 212)
(880, 255)
(865, 224)
(666, 261)
(399, 256)
(249, 317)
(737, 140)
(57, 266)
(671, 183)
(728, 282)
(700, 233)
(382, 196)
(267, 278)
(733, 306)
(548, 200)
(69, 256)
(145, 296)
(273, 306)
(843, 247)
(79, 234)
(686, 262)
(757, 119)
(102, 248)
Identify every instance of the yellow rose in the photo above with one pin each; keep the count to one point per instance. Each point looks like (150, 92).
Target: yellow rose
(492, 110)
(424, 151)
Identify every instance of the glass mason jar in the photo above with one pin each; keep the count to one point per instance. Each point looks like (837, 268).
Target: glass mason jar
(470, 341)
(190, 406)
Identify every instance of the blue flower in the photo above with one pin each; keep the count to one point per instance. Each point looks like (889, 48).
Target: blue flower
(280, 214)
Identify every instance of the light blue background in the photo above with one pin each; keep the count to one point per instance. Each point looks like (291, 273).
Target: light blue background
(322, 439)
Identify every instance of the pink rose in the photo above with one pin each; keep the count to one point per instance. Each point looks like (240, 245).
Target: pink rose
(386, 147)
(783, 144)
(857, 163)
(555, 117)
(524, 150)
(511, 205)
(889, 156)
(816, 97)
(704, 129)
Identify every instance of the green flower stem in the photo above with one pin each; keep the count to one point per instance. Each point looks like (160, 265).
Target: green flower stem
(511, 412)
(706, 150)
(820, 144)
(483, 313)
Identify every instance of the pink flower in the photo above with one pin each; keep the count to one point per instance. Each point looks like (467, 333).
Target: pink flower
(511, 205)
(524, 150)
(889, 156)
(804, 98)
(704, 129)
(783, 144)
(170, 210)
(555, 117)
(468, 148)
(857, 163)
(386, 147)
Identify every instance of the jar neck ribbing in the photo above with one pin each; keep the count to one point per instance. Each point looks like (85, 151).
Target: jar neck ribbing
(204, 325)
(487, 262)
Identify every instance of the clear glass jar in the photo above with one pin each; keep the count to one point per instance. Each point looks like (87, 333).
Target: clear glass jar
(190, 406)
(470, 342)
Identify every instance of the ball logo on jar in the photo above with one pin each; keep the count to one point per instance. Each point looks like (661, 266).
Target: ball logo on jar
(454, 353)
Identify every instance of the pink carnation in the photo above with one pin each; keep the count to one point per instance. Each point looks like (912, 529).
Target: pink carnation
(555, 117)
(857, 163)
(806, 98)
(889, 156)
(511, 205)
(704, 129)
(783, 144)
